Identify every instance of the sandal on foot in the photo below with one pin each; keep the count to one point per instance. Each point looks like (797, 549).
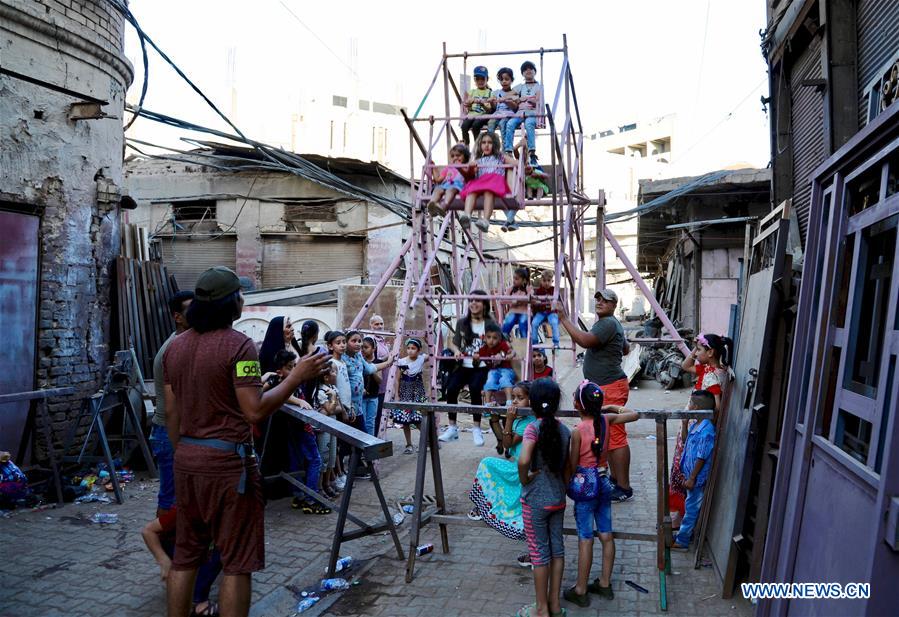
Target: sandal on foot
(571, 595)
(563, 612)
(318, 508)
(434, 209)
(211, 610)
(605, 592)
(527, 611)
(409, 450)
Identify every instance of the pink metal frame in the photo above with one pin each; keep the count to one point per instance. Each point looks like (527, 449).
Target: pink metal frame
(569, 206)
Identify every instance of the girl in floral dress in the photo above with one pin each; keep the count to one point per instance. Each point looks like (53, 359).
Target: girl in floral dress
(412, 390)
(496, 492)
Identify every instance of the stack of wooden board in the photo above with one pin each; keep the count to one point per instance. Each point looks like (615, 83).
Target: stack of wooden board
(143, 289)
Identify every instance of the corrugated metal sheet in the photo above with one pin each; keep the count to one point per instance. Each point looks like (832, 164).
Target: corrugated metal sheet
(301, 260)
(188, 259)
(19, 275)
(807, 122)
(878, 42)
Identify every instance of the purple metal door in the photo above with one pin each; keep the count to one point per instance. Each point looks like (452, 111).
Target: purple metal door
(18, 302)
(850, 480)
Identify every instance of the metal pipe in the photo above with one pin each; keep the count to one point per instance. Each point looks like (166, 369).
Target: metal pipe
(503, 53)
(646, 291)
(385, 278)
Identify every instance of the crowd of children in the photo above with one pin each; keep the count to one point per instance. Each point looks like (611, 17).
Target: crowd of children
(498, 113)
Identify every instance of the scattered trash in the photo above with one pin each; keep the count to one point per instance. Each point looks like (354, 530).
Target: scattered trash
(634, 585)
(307, 603)
(398, 518)
(408, 509)
(92, 498)
(105, 518)
(709, 597)
(342, 564)
(334, 584)
(424, 549)
(651, 437)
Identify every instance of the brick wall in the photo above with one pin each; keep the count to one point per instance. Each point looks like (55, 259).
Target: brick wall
(70, 172)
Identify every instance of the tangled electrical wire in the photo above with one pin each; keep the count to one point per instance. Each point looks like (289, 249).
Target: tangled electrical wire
(277, 159)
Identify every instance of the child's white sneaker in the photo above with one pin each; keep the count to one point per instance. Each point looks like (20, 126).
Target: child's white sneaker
(451, 433)
(477, 436)
(340, 482)
(482, 224)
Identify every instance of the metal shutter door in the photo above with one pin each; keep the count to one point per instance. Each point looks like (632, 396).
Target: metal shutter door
(807, 122)
(303, 260)
(877, 28)
(188, 259)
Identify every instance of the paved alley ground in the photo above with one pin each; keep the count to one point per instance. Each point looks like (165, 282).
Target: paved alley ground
(55, 563)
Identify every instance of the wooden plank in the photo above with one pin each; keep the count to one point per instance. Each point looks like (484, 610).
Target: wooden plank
(464, 521)
(372, 447)
(650, 414)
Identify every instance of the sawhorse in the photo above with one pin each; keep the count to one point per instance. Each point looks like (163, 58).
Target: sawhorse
(662, 537)
(365, 448)
(97, 406)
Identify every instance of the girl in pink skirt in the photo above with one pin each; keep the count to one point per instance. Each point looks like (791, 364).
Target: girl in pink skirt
(489, 180)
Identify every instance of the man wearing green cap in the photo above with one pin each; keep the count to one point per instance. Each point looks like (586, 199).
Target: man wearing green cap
(213, 395)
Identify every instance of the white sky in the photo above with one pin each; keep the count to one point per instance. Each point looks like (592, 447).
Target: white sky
(630, 60)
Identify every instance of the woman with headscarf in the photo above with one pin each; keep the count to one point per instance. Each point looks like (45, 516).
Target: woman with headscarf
(278, 336)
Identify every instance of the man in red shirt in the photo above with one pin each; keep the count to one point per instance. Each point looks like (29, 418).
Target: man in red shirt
(213, 395)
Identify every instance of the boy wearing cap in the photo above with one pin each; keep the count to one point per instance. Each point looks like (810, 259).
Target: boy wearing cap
(213, 394)
(476, 103)
(530, 98)
(605, 346)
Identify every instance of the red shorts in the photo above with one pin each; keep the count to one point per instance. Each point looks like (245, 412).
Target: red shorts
(210, 511)
(616, 393)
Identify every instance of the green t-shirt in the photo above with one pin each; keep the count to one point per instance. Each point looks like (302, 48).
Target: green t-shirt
(476, 108)
(602, 364)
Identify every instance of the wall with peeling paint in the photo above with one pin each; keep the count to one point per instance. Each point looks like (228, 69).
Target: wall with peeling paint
(69, 172)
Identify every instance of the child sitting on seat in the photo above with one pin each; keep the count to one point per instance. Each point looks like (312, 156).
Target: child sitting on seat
(476, 103)
(695, 465)
(489, 180)
(543, 311)
(541, 368)
(518, 310)
(535, 179)
(500, 376)
(449, 180)
(505, 100)
(530, 95)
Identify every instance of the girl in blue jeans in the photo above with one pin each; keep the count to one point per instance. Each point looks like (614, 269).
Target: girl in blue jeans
(589, 442)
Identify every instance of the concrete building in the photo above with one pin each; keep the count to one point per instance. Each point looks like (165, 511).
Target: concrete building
(696, 266)
(275, 228)
(616, 159)
(834, 511)
(63, 78)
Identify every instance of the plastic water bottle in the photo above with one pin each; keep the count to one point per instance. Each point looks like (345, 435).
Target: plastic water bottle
(398, 518)
(408, 509)
(334, 584)
(307, 603)
(342, 564)
(424, 549)
(105, 518)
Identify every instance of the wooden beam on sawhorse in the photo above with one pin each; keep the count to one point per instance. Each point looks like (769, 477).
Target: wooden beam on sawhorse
(662, 537)
(365, 448)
